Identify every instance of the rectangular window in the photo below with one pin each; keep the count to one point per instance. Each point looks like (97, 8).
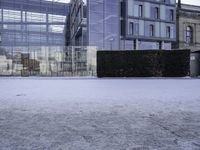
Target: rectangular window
(36, 28)
(157, 13)
(11, 15)
(11, 27)
(36, 17)
(56, 18)
(140, 11)
(37, 38)
(151, 30)
(171, 15)
(131, 28)
(15, 37)
(189, 35)
(56, 28)
(168, 31)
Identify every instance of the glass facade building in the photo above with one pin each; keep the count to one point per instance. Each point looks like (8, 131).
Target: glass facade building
(32, 36)
(128, 24)
(77, 24)
(104, 23)
(32, 22)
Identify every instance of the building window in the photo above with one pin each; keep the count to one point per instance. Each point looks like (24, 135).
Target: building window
(36, 17)
(171, 15)
(11, 15)
(131, 28)
(140, 11)
(168, 31)
(156, 13)
(151, 30)
(189, 35)
(56, 18)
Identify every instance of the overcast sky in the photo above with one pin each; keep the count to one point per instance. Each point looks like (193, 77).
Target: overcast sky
(194, 2)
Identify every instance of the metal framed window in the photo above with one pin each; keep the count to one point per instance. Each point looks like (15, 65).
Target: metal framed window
(11, 15)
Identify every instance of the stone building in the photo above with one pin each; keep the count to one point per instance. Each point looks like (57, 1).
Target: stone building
(188, 27)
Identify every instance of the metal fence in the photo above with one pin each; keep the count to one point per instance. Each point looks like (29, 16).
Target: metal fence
(48, 61)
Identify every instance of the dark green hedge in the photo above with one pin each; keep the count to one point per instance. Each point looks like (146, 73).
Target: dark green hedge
(148, 63)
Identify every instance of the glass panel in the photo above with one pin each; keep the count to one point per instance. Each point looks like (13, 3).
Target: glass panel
(48, 61)
(104, 18)
(36, 17)
(56, 28)
(11, 27)
(11, 15)
(24, 16)
(37, 38)
(56, 18)
(12, 37)
(39, 28)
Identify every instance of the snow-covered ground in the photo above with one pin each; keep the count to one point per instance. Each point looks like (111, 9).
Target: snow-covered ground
(99, 114)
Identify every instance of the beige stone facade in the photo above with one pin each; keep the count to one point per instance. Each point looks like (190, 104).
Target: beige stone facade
(188, 27)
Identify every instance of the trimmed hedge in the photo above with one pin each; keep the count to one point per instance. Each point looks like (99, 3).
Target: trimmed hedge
(148, 63)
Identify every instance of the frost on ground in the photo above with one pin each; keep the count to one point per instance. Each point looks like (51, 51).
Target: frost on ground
(99, 114)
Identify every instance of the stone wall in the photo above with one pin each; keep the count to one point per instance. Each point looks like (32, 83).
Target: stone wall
(188, 17)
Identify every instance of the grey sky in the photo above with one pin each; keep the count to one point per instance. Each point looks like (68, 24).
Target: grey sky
(194, 2)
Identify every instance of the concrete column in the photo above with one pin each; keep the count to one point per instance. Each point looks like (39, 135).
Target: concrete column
(162, 45)
(136, 44)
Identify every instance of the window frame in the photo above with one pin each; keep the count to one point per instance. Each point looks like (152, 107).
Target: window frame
(140, 9)
(151, 30)
(168, 32)
(189, 35)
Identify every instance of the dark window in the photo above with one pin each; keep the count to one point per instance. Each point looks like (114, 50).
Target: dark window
(171, 15)
(157, 13)
(168, 31)
(140, 11)
(189, 35)
(131, 28)
(123, 9)
(151, 30)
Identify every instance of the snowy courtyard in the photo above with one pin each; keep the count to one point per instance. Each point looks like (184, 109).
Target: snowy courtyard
(99, 114)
